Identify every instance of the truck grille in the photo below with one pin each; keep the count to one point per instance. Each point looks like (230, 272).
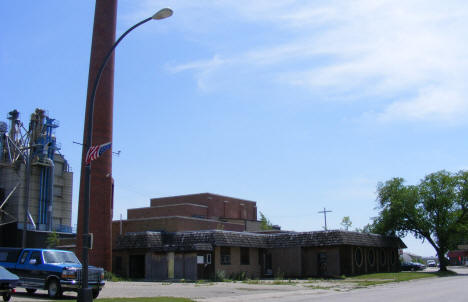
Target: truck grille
(94, 275)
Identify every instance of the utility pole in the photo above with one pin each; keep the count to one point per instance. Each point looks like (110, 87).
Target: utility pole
(325, 211)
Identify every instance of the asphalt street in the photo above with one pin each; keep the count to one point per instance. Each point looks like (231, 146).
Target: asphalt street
(431, 289)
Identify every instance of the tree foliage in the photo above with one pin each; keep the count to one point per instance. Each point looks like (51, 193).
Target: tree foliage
(52, 240)
(435, 210)
(265, 223)
(346, 223)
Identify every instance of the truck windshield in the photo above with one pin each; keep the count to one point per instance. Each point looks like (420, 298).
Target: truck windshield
(60, 257)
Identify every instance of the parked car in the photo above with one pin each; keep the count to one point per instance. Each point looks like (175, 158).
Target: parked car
(53, 270)
(7, 283)
(431, 263)
(412, 266)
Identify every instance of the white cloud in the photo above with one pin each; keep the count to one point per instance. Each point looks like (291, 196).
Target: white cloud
(203, 68)
(435, 103)
(213, 63)
(379, 49)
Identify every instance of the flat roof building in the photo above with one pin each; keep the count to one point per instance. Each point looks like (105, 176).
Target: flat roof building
(207, 254)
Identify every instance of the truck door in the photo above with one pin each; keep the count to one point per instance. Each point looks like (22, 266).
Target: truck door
(20, 266)
(33, 274)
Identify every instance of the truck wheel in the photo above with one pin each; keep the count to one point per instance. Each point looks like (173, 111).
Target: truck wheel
(53, 289)
(95, 293)
(6, 296)
(31, 290)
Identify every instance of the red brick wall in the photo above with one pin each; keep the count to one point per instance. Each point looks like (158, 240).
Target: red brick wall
(218, 206)
(187, 210)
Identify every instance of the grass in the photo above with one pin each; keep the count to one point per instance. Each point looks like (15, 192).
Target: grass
(203, 282)
(319, 287)
(283, 282)
(398, 277)
(270, 282)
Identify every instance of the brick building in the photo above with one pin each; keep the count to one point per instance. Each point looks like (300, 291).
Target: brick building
(201, 254)
(199, 235)
(204, 211)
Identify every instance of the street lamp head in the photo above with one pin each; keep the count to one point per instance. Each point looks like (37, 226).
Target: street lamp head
(162, 14)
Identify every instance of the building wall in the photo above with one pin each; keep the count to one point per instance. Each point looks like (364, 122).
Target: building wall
(293, 262)
(121, 263)
(252, 270)
(287, 262)
(312, 266)
(185, 266)
(185, 209)
(63, 190)
(157, 265)
(62, 199)
(386, 260)
(218, 206)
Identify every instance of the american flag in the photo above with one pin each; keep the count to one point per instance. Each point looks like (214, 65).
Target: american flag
(96, 151)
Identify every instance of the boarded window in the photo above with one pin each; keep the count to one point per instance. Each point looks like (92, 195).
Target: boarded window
(245, 255)
(225, 255)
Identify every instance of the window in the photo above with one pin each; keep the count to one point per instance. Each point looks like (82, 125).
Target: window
(3, 256)
(36, 256)
(358, 257)
(245, 255)
(225, 255)
(23, 257)
(60, 257)
(200, 260)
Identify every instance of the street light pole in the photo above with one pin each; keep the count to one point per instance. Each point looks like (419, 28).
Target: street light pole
(85, 293)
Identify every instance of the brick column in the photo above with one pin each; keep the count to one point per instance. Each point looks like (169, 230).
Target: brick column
(101, 197)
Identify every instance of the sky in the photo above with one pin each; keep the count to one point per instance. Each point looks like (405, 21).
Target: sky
(297, 105)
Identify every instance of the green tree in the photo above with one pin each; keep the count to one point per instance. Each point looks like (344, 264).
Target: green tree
(52, 240)
(265, 223)
(346, 222)
(368, 228)
(435, 210)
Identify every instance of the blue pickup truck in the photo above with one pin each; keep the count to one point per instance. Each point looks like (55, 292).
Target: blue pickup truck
(53, 270)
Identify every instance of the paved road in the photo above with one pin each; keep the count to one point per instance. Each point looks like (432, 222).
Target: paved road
(450, 289)
(432, 289)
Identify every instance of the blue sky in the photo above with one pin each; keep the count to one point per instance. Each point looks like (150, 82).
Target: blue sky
(297, 105)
